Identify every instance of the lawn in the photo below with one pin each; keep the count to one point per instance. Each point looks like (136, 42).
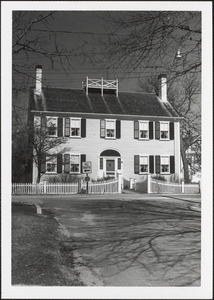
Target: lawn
(41, 255)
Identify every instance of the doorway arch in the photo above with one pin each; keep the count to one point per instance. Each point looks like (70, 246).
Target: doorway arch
(110, 163)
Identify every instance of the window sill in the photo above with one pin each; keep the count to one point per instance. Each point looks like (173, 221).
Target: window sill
(141, 139)
(51, 173)
(109, 138)
(164, 139)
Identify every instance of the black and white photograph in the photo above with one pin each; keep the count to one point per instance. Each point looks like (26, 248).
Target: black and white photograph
(107, 150)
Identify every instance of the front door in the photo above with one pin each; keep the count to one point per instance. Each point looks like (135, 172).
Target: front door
(110, 167)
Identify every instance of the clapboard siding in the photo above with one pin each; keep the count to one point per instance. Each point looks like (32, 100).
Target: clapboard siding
(92, 145)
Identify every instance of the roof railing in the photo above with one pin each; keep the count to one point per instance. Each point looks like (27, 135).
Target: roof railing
(101, 84)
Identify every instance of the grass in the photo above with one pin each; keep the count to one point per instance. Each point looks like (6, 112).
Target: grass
(41, 255)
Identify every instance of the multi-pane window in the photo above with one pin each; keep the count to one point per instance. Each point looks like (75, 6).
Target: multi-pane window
(164, 130)
(144, 129)
(51, 164)
(110, 128)
(75, 163)
(144, 164)
(164, 164)
(75, 127)
(51, 126)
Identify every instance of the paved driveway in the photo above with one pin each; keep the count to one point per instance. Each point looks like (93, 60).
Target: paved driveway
(134, 241)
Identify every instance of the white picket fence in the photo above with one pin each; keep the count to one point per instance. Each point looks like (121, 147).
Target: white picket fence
(104, 187)
(157, 186)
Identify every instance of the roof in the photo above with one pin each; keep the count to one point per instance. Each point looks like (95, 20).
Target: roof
(75, 100)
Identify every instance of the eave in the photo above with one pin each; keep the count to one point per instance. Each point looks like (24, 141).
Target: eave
(106, 116)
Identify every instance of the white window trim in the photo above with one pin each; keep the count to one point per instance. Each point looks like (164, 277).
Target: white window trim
(142, 121)
(164, 173)
(145, 155)
(55, 135)
(107, 137)
(161, 122)
(75, 136)
(50, 161)
(75, 154)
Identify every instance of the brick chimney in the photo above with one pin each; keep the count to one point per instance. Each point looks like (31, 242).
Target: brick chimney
(162, 87)
(38, 89)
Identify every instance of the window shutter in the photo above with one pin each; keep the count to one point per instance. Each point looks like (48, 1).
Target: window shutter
(151, 130)
(83, 159)
(43, 125)
(136, 164)
(43, 163)
(67, 163)
(157, 130)
(119, 163)
(67, 126)
(157, 164)
(59, 163)
(172, 164)
(151, 164)
(136, 130)
(102, 128)
(60, 125)
(171, 130)
(101, 163)
(118, 134)
(83, 128)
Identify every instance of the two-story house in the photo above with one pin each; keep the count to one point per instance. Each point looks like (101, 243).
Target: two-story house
(131, 133)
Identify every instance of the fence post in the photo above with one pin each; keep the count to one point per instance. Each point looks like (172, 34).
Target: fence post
(44, 183)
(149, 184)
(119, 176)
(182, 186)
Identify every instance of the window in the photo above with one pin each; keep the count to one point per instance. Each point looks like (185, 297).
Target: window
(75, 127)
(110, 128)
(75, 164)
(51, 126)
(164, 130)
(144, 164)
(51, 164)
(144, 129)
(164, 164)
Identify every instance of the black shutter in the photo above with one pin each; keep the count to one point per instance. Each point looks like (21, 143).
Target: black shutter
(157, 130)
(60, 127)
(172, 164)
(171, 130)
(43, 163)
(136, 164)
(66, 163)
(67, 126)
(83, 128)
(151, 164)
(43, 125)
(102, 128)
(59, 163)
(151, 130)
(118, 129)
(136, 130)
(83, 159)
(157, 164)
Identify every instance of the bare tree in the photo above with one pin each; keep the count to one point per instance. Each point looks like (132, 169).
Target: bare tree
(154, 40)
(183, 94)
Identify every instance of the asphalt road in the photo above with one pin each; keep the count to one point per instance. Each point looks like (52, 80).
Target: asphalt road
(133, 240)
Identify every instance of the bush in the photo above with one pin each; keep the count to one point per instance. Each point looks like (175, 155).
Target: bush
(159, 177)
(63, 178)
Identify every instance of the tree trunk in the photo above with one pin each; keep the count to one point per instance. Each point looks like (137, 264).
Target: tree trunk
(185, 164)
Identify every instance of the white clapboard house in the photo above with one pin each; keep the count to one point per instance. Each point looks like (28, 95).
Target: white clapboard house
(129, 133)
